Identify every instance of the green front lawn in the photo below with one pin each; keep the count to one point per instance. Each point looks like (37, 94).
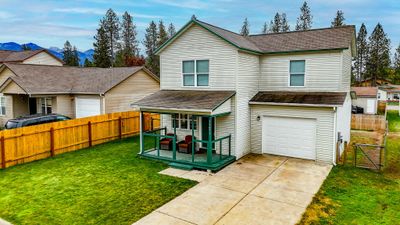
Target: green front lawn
(106, 184)
(359, 196)
(394, 120)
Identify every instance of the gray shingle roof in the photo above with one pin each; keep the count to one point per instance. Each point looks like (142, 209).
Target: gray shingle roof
(19, 56)
(41, 79)
(299, 98)
(309, 40)
(185, 100)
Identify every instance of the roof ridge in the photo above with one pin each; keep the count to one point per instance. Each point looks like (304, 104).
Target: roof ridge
(220, 28)
(299, 31)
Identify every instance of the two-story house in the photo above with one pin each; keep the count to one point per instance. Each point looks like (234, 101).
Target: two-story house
(224, 95)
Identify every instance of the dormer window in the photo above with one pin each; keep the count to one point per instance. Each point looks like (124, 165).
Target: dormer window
(297, 73)
(195, 73)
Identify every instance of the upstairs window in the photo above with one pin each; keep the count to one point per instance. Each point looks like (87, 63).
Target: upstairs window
(195, 73)
(297, 73)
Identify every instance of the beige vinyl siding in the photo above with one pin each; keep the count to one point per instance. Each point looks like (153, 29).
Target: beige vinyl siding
(43, 58)
(136, 87)
(20, 105)
(346, 66)
(343, 121)
(5, 74)
(325, 126)
(64, 105)
(323, 71)
(166, 121)
(13, 88)
(247, 87)
(196, 44)
(226, 125)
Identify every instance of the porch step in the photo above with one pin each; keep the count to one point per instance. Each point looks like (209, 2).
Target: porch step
(180, 166)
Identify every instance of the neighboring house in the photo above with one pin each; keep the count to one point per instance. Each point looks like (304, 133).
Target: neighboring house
(42, 57)
(282, 93)
(367, 98)
(71, 91)
(369, 82)
(390, 92)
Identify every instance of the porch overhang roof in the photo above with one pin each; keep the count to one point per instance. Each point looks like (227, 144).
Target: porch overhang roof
(307, 99)
(201, 102)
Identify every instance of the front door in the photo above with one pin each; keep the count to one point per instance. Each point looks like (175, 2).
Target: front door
(205, 131)
(32, 106)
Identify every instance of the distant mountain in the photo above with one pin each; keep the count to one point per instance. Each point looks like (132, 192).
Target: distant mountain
(58, 52)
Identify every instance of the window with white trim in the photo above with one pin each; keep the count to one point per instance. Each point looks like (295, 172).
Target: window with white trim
(46, 105)
(2, 105)
(297, 73)
(195, 73)
(183, 121)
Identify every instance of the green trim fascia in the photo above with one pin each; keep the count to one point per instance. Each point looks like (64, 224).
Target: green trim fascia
(305, 51)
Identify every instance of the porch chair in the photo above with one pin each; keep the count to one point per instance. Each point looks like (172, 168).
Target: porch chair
(166, 143)
(185, 146)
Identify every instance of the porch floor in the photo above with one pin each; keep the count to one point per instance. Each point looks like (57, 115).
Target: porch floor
(200, 159)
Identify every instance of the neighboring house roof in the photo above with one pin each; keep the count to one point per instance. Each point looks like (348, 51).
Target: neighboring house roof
(20, 56)
(365, 91)
(45, 79)
(199, 101)
(327, 99)
(294, 41)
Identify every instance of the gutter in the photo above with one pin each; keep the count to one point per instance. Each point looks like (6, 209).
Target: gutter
(293, 104)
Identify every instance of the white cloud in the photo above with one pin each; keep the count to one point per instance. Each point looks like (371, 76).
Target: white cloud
(190, 4)
(79, 10)
(6, 15)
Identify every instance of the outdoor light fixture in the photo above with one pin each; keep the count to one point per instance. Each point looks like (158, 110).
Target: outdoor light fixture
(258, 118)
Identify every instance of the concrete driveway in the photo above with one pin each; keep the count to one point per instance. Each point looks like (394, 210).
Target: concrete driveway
(257, 189)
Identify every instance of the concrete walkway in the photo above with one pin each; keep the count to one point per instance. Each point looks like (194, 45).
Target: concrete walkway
(257, 189)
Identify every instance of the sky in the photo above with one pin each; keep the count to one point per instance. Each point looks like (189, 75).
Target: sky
(50, 23)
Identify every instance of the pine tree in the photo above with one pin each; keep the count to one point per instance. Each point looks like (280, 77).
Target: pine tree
(284, 23)
(171, 30)
(362, 54)
(396, 61)
(112, 29)
(68, 54)
(338, 21)
(276, 24)
(88, 63)
(25, 47)
(245, 31)
(75, 57)
(304, 21)
(101, 46)
(378, 61)
(150, 43)
(129, 45)
(265, 28)
(162, 35)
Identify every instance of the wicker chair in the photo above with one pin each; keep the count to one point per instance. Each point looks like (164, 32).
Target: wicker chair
(185, 146)
(166, 143)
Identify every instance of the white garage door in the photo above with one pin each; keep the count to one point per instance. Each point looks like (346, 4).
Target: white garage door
(294, 137)
(87, 106)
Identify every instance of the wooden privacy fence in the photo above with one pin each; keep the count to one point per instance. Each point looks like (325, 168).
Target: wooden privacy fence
(46, 140)
(368, 122)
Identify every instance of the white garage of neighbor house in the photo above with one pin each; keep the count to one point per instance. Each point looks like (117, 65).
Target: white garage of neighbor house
(75, 92)
(367, 98)
(287, 94)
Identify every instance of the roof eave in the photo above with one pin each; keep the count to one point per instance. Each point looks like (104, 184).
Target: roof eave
(294, 104)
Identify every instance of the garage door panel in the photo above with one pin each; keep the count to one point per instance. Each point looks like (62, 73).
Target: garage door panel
(295, 137)
(87, 107)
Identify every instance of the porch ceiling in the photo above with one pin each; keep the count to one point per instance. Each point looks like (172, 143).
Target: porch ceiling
(196, 102)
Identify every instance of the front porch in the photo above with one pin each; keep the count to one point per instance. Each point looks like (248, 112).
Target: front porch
(190, 137)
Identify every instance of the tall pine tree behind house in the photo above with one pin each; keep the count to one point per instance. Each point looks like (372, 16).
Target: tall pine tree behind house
(284, 23)
(378, 61)
(70, 55)
(362, 54)
(396, 67)
(339, 19)
(150, 44)
(112, 29)
(128, 35)
(276, 24)
(162, 35)
(171, 30)
(75, 57)
(101, 55)
(265, 28)
(245, 31)
(304, 21)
